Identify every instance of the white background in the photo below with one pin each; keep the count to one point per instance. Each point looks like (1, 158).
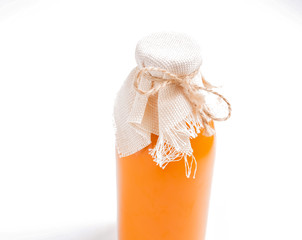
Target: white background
(61, 64)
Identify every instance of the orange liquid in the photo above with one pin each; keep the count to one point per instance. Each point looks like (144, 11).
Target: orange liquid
(163, 204)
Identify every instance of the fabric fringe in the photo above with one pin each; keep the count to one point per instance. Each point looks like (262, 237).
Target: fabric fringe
(169, 145)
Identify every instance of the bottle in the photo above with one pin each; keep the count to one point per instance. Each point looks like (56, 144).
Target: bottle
(165, 142)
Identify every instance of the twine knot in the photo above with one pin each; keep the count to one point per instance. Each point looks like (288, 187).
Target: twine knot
(191, 91)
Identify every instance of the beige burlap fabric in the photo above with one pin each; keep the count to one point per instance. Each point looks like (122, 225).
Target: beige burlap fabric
(164, 95)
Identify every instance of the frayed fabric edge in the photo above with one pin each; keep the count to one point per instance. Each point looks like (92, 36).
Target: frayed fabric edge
(167, 148)
(163, 153)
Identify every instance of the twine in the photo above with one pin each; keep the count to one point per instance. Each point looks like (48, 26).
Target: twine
(191, 90)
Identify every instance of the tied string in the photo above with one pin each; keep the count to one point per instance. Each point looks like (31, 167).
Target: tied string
(191, 90)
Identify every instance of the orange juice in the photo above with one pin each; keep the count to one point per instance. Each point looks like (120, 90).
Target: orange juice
(157, 204)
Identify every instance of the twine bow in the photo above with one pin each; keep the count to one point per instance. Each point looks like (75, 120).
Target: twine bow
(191, 90)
